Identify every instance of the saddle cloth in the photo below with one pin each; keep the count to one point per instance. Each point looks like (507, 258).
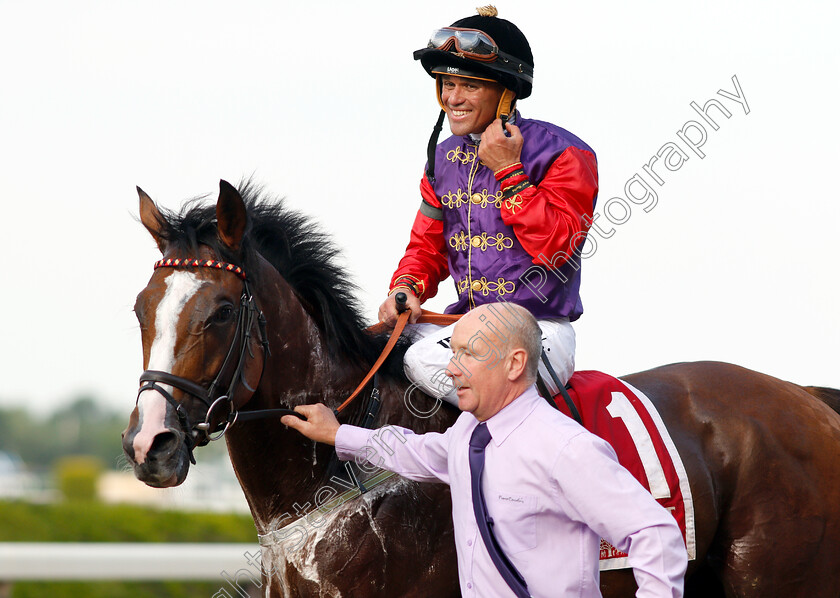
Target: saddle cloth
(628, 421)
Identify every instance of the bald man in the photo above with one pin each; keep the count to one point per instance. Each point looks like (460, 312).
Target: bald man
(551, 489)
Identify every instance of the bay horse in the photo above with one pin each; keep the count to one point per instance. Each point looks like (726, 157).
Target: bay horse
(248, 311)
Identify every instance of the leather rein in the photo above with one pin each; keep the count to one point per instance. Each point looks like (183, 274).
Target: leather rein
(200, 433)
(426, 317)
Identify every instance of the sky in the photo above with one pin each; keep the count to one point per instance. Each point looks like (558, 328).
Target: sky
(321, 102)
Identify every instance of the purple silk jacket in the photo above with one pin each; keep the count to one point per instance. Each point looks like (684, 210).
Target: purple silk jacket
(486, 260)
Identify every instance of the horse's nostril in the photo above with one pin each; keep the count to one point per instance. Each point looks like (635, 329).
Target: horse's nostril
(163, 445)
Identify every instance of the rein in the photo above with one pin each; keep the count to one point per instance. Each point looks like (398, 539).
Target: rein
(248, 311)
(426, 317)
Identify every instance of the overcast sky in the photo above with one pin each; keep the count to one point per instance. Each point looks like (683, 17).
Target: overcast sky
(323, 104)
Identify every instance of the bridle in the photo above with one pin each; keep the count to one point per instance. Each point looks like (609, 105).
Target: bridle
(200, 433)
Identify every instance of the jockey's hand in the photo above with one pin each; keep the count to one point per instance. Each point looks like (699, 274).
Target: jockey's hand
(496, 150)
(388, 310)
(320, 424)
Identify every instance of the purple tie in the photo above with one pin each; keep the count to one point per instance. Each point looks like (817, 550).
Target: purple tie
(478, 441)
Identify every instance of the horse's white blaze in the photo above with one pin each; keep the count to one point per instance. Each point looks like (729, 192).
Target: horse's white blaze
(151, 407)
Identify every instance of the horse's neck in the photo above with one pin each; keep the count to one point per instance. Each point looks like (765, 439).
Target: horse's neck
(279, 469)
(282, 472)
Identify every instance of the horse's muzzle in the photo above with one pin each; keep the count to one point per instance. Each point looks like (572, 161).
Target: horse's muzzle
(166, 462)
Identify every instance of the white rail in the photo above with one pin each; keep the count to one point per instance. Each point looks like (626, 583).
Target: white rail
(49, 561)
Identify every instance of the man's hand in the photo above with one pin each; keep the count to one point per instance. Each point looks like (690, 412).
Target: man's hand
(388, 310)
(320, 424)
(496, 150)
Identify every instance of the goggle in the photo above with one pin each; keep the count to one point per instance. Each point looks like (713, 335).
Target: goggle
(472, 43)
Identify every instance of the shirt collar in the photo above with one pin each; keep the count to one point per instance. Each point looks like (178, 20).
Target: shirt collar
(508, 419)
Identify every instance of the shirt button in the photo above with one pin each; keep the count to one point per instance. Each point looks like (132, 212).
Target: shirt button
(469, 542)
(469, 586)
(476, 198)
(476, 241)
(476, 285)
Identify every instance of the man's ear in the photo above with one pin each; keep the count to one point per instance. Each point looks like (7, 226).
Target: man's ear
(517, 363)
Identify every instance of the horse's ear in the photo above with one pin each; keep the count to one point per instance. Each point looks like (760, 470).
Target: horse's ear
(231, 216)
(152, 219)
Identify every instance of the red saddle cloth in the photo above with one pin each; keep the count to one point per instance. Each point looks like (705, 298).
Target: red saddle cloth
(628, 421)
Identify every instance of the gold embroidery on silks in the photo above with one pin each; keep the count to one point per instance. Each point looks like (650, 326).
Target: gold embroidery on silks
(487, 198)
(454, 200)
(459, 155)
(500, 287)
(514, 202)
(458, 242)
(462, 241)
(481, 199)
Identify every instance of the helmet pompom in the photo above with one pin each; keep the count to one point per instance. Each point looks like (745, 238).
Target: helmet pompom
(487, 11)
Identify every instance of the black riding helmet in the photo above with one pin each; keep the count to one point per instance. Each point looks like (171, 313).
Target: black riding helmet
(513, 66)
(484, 47)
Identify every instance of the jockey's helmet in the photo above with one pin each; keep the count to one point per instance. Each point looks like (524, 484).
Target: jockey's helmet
(485, 47)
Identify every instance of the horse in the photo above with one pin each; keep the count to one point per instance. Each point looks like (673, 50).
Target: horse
(249, 314)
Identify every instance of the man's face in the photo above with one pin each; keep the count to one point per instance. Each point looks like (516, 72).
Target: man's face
(479, 366)
(470, 104)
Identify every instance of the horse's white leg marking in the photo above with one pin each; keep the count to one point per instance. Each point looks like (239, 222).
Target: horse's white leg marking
(151, 407)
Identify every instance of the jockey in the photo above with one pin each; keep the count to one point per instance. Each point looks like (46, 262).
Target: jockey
(506, 203)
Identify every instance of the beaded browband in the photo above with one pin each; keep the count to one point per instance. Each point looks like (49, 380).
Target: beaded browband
(196, 263)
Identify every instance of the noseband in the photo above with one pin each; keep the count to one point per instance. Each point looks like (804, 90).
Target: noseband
(200, 433)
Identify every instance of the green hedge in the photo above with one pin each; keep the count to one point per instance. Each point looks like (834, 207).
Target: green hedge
(115, 590)
(95, 522)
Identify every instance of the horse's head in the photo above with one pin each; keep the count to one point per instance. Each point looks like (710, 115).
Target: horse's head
(201, 333)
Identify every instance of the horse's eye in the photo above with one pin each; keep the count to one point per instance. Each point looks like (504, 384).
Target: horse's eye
(223, 315)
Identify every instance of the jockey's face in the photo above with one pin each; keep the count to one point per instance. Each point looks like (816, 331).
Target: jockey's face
(470, 103)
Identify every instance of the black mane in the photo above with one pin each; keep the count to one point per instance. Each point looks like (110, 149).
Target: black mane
(303, 254)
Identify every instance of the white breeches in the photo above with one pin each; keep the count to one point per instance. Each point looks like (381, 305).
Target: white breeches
(427, 358)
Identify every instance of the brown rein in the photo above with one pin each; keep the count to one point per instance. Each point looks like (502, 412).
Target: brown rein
(426, 317)
(149, 378)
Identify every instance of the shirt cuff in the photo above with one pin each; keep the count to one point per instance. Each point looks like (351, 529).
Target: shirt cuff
(350, 440)
(415, 284)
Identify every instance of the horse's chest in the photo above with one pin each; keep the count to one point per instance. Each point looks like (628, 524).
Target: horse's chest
(326, 553)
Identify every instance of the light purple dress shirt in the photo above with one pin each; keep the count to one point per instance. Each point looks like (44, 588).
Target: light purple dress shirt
(553, 490)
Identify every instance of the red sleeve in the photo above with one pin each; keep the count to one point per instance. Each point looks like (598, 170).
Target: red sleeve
(549, 218)
(424, 264)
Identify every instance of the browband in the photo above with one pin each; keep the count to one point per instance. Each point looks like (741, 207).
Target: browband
(196, 263)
